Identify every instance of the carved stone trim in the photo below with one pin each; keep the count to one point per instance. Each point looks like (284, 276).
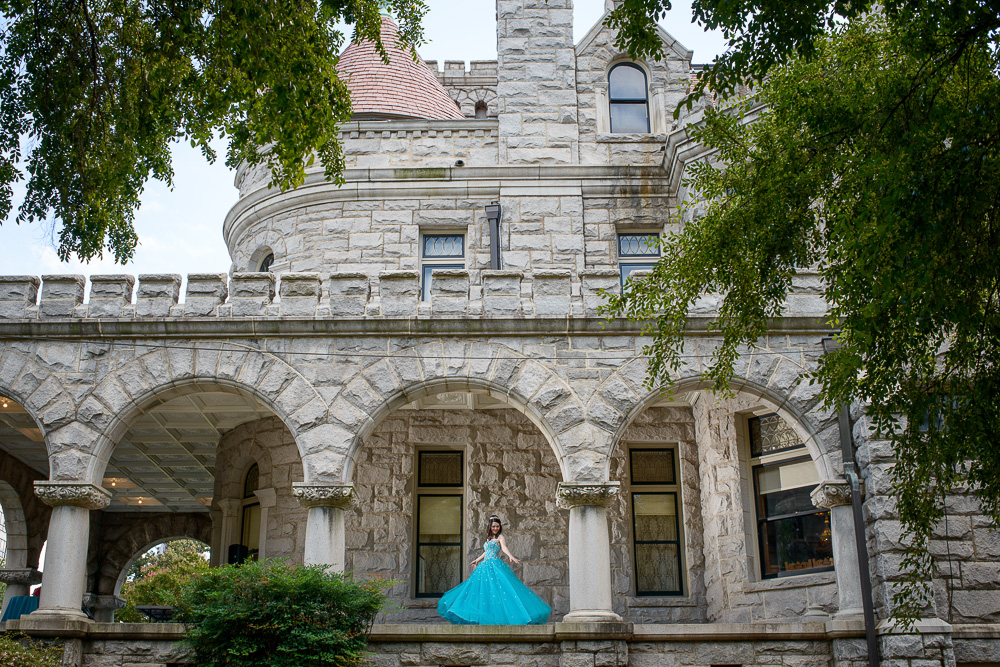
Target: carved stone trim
(25, 576)
(75, 494)
(324, 495)
(831, 494)
(575, 494)
(91, 601)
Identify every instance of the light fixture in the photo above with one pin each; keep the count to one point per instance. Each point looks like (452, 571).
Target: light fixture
(493, 215)
(3, 401)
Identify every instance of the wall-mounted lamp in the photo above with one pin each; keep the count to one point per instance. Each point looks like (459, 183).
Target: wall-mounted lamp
(493, 213)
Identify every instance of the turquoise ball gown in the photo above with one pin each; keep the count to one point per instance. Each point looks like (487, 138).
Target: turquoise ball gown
(493, 595)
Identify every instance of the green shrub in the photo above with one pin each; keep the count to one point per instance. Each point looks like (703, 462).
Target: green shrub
(159, 578)
(280, 615)
(19, 651)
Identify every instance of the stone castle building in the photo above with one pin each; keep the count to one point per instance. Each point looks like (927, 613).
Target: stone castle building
(392, 360)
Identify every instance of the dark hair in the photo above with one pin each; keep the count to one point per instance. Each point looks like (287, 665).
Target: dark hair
(489, 526)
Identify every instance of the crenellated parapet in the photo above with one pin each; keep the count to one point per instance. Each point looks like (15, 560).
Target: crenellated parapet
(454, 293)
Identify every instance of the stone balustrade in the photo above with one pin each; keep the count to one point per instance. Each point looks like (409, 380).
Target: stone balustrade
(391, 294)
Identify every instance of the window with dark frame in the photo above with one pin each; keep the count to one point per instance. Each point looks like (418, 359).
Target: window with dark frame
(265, 264)
(793, 535)
(656, 527)
(637, 252)
(250, 516)
(438, 562)
(628, 99)
(439, 251)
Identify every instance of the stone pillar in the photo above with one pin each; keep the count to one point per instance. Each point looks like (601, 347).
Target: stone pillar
(589, 551)
(836, 497)
(65, 570)
(103, 607)
(325, 533)
(19, 582)
(268, 498)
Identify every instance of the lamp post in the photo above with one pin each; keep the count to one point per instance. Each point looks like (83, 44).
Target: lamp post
(493, 213)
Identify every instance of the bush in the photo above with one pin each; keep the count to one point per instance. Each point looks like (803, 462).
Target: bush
(281, 615)
(19, 651)
(160, 579)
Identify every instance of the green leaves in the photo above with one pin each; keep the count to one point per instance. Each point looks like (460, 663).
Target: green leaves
(876, 161)
(93, 93)
(274, 613)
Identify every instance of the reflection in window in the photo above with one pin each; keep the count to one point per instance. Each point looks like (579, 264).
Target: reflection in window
(250, 520)
(439, 523)
(655, 522)
(637, 252)
(265, 264)
(439, 251)
(793, 534)
(627, 98)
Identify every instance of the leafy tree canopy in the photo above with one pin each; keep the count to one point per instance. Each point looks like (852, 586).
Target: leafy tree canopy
(160, 578)
(93, 93)
(873, 154)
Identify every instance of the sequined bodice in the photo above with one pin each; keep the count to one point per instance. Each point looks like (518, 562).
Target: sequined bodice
(492, 549)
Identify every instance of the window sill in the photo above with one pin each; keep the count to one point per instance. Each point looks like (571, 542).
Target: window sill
(660, 601)
(786, 583)
(630, 138)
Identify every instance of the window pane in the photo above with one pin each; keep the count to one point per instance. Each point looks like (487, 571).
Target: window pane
(444, 246)
(251, 481)
(627, 269)
(251, 528)
(657, 569)
(440, 469)
(770, 433)
(787, 476)
(439, 568)
(655, 516)
(627, 82)
(638, 245)
(440, 519)
(778, 503)
(626, 117)
(653, 466)
(797, 543)
(425, 277)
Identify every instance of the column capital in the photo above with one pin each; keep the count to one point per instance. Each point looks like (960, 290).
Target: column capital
(575, 494)
(25, 576)
(324, 495)
(74, 494)
(92, 601)
(831, 494)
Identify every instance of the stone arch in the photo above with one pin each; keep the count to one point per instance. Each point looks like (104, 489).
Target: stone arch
(483, 368)
(27, 517)
(170, 372)
(38, 391)
(250, 250)
(126, 536)
(777, 381)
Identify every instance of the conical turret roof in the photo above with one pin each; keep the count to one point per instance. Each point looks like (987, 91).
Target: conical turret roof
(402, 89)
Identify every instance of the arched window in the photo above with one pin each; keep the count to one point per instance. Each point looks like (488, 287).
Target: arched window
(628, 98)
(250, 528)
(265, 264)
(481, 109)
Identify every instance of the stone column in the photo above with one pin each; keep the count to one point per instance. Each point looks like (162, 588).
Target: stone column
(65, 570)
(103, 607)
(589, 551)
(19, 582)
(836, 497)
(325, 538)
(268, 498)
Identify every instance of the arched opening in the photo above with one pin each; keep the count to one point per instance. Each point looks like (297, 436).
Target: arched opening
(427, 478)
(155, 575)
(481, 109)
(715, 498)
(179, 468)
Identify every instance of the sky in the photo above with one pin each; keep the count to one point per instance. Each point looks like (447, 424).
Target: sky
(180, 230)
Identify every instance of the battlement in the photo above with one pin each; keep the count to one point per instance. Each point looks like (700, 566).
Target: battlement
(393, 294)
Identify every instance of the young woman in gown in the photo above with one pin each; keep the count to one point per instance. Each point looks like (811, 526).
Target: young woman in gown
(493, 595)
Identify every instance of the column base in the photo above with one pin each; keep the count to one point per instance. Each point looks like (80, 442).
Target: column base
(53, 622)
(592, 616)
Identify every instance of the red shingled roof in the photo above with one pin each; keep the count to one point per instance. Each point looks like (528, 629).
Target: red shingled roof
(403, 89)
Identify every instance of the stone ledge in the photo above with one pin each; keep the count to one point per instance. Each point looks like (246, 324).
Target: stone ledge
(976, 631)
